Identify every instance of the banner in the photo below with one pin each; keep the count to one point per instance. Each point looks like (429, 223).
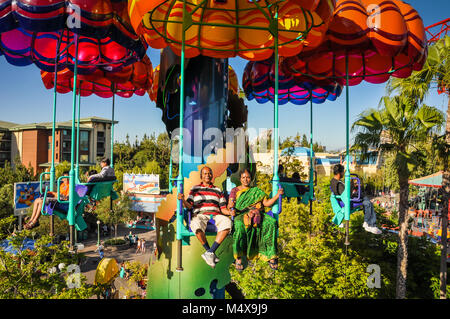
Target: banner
(141, 184)
(25, 194)
(146, 203)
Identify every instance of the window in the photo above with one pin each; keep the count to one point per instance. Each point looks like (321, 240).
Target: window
(100, 143)
(84, 141)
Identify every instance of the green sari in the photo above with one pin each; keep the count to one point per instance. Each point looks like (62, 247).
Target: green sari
(255, 233)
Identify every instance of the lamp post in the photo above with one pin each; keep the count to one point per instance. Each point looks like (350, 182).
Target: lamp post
(98, 233)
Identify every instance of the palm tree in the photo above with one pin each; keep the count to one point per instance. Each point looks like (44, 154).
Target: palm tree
(436, 71)
(395, 128)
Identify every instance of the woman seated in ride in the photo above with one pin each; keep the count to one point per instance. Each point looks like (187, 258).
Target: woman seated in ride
(51, 198)
(255, 233)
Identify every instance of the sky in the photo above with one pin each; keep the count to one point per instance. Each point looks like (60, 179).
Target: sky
(24, 99)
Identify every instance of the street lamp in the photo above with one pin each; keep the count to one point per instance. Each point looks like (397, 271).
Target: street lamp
(98, 233)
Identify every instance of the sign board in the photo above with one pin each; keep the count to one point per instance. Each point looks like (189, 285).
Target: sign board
(141, 184)
(24, 195)
(146, 203)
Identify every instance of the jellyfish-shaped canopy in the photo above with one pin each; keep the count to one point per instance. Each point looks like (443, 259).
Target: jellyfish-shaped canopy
(41, 32)
(379, 38)
(259, 83)
(132, 79)
(226, 28)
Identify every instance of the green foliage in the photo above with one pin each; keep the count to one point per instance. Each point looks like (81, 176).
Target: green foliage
(20, 173)
(6, 200)
(315, 263)
(120, 213)
(34, 274)
(60, 227)
(138, 271)
(61, 168)
(115, 241)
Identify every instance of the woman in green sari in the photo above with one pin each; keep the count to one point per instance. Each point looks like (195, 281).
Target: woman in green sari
(255, 233)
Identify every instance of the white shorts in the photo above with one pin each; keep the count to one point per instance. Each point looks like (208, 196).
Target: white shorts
(199, 222)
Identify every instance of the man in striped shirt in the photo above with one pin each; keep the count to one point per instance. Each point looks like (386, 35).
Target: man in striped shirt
(206, 199)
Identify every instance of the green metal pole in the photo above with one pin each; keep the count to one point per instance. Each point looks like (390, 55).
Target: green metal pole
(276, 179)
(71, 212)
(311, 162)
(98, 233)
(77, 168)
(52, 167)
(180, 178)
(347, 142)
(170, 167)
(112, 126)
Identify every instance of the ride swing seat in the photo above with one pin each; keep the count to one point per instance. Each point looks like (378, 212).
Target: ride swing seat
(211, 228)
(338, 206)
(298, 189)
(84, 194)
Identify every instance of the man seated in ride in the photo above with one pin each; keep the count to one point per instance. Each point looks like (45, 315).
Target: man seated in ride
(338, 187)
(106, 174)
(206, 199)
(51, 198)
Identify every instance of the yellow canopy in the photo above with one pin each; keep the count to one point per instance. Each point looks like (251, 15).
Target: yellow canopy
(107, 270)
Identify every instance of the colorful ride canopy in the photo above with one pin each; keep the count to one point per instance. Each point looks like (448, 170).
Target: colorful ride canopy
(43, 32)
(258, 82)
(132, 79)
(226, 28)
(379, 38)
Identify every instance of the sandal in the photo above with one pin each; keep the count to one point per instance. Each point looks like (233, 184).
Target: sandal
(238, 265)
(273, 263)
(32, 225)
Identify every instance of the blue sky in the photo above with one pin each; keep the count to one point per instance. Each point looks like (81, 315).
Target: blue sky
(25, 100)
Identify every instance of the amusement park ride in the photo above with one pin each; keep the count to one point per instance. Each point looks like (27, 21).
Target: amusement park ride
(298, 51)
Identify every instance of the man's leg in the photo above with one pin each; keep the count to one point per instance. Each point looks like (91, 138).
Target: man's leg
(370, 216)
(223, 225)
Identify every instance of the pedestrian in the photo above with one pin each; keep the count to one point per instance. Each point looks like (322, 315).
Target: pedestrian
(138, 246)
(130, 239)
(100, 249)
(143, 246)
(122, 270)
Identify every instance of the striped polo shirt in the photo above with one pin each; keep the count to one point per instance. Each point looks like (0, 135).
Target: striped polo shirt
(206, 199)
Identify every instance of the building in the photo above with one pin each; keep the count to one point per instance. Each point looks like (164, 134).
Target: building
(33, 142)
(5, 142)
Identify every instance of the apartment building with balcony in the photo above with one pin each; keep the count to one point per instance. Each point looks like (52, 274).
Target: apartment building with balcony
(33, 142)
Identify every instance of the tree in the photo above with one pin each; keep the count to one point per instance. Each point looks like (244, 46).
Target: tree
(42, 272)
(120, 212)
(435, 71)
(405, 123)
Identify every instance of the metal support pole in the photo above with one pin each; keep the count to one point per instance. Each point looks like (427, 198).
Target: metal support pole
(347, 142)
(170, 167)
(311, 167)
(112, 126)
(77, 168)
(180, 179)
(276, 179)
(52, 167)
(71, 212)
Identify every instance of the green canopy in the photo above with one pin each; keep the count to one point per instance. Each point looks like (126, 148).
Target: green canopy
(433, 180)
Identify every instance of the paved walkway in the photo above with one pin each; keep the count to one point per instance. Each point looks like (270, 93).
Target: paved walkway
(129, 254)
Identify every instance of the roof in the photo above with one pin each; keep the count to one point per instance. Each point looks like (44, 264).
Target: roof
(298, 151)
(433, 180)
(6, 125)
(58, 125)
